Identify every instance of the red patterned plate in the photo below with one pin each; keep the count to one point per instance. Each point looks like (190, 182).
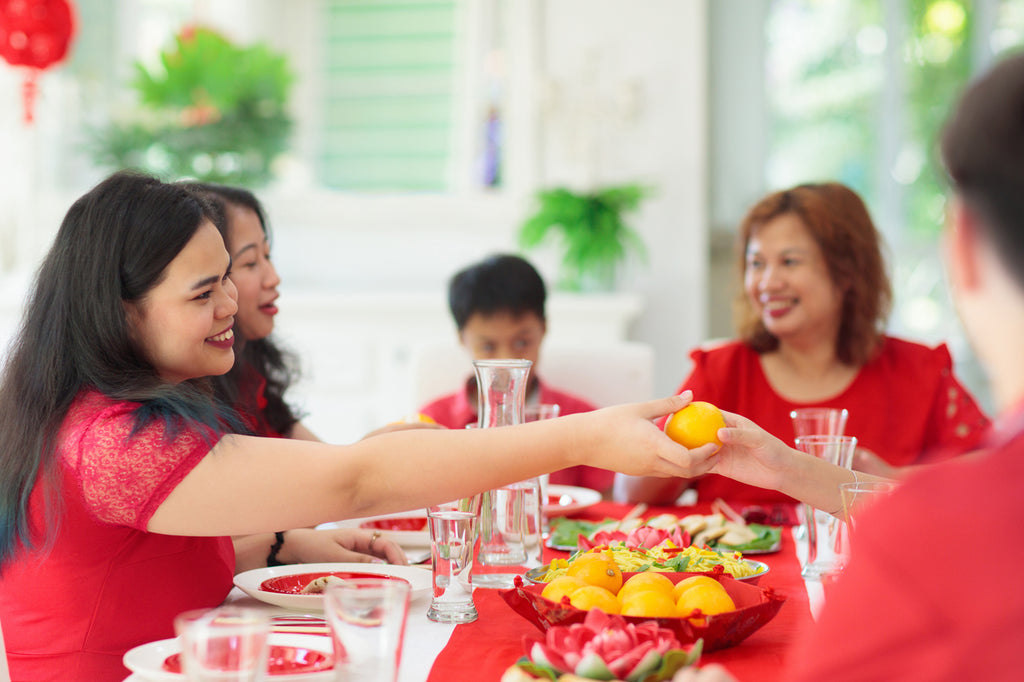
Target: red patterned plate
(294, 583)
(400, 523)
(283, 660)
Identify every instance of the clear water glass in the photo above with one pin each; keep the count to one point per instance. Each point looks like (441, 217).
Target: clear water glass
(826, 534)
(815, 421)
(534, 413)
(367, 619)
(224, 644)
(858, 496)
(454, 543)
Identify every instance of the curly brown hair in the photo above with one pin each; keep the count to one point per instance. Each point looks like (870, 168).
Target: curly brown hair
(840, 223)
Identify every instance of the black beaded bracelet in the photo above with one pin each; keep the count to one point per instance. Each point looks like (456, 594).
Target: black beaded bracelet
(275, 548)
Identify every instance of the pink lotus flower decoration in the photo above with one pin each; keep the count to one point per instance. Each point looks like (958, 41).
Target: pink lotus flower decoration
(643, 537)
(605, 647)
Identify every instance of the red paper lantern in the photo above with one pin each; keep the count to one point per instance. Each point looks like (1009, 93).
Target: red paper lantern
(34, 34)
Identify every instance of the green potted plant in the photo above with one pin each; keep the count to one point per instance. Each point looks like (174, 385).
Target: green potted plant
(592, 231)
(212, 110)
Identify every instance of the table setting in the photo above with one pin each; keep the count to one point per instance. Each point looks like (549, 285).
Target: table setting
(500, 601)
(488, 646)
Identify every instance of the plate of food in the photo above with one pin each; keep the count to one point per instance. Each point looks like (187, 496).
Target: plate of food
(407, 529)
(719, 530)
(301, 586)
(292, 658)
(566, 499)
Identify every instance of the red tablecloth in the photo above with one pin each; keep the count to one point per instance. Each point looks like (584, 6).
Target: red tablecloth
(482, 650)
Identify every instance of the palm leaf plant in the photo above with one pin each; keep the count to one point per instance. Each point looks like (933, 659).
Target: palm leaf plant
(210, 109)
(592, 231)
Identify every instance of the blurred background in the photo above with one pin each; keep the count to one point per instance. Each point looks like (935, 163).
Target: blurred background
(394, 142)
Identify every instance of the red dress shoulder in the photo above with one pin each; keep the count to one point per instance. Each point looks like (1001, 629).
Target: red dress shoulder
(905, 405)
(104, 584)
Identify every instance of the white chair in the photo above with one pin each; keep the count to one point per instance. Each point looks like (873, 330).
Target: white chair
(604, 374)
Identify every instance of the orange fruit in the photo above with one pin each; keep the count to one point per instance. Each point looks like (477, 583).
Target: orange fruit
(563, 585)
(594, 597)
(597, 568)
(709, 599)
(643, 582)
(684, 585)
(695, 425)
(649, 604)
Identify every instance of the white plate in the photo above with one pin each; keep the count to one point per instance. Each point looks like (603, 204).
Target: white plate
(570, 499)
(250, 581)
(404, 538)
(146, 661)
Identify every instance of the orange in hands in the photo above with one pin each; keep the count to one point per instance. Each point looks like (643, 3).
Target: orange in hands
(695, 425)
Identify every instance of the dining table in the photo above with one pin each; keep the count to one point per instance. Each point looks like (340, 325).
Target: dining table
(484, 649)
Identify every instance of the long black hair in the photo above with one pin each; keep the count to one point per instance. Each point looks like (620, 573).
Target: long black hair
(112, 247)
(264, 357)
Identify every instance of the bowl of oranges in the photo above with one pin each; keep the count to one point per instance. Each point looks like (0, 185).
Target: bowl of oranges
(664, 558)
(710, 605)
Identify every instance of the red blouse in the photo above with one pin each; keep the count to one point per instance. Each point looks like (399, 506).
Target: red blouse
(72, 608)
(903, 405)
(455, 411)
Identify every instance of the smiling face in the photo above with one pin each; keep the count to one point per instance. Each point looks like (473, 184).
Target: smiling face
(252, 272)
(788, 283)
(503, 336)
(184, 324)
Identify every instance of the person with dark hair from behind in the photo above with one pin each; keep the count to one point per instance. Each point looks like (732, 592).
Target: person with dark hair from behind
(498, 309)
(931, 590)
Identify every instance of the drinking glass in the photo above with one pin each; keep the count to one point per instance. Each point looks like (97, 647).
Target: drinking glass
(826, 532)
(367, 619)
(860, 495)
(225, 644)
(453, 544)
(819, 421)
(815, 421)
(532, 413)
(510, 525)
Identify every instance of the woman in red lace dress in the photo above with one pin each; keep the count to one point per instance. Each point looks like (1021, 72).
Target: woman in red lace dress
(122, 480)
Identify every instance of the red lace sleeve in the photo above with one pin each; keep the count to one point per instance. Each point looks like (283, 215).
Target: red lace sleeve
(959, 424)
(123, 477)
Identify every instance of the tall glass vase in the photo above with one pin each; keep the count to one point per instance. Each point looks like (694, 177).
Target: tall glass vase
(510, 516)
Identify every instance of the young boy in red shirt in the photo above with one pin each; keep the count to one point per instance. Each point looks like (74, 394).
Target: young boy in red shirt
(498, 308)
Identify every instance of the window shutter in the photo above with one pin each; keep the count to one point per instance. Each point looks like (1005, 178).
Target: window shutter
(389, 89)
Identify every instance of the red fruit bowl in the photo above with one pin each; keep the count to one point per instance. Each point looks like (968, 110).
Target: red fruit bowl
(755, 607)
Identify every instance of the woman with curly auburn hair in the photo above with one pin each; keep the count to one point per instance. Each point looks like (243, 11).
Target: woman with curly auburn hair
(811, 318)
(838, 221)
